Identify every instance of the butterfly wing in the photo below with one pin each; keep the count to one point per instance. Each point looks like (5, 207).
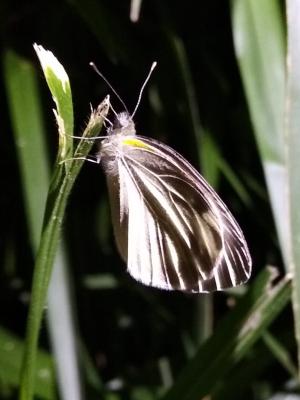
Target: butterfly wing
(170, 226)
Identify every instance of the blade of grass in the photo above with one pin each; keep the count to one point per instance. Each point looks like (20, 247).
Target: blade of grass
(259, 46)
(27, 123)
(63, 332)
(280, 353)
(135, 9)
(239, 381)
(233, 338)
(293, 152)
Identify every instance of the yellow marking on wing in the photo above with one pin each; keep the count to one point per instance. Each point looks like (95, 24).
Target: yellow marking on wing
(136, 143)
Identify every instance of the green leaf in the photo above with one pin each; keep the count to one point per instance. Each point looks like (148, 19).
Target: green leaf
(26, 117)
(293, 152)
(259, 45)
(59, 85)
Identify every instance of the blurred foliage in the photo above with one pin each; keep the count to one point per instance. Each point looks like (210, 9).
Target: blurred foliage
(137, 342)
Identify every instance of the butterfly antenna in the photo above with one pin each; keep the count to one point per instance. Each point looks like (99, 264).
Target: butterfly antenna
(109, 85)
(115, 112)
(143, 87)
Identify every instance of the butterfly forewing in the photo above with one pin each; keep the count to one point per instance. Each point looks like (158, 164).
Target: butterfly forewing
(170, 226)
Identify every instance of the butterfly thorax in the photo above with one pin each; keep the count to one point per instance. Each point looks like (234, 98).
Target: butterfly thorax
(113, 146)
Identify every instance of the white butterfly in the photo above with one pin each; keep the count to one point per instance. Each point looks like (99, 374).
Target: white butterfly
(171, 227)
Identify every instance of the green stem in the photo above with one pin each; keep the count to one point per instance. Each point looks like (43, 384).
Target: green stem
(63, 180)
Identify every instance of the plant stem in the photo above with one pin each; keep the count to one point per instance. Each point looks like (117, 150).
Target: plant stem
(61, 185)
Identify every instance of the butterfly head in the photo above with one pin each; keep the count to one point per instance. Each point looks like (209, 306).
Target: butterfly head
(123, 125)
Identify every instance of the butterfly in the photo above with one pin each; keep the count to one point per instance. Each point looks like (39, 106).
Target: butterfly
(171, 227)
